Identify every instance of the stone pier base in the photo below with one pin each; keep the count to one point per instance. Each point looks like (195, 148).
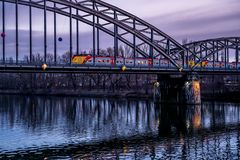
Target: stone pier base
(177, 89)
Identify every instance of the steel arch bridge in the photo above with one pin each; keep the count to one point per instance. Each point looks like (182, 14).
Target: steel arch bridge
(160, 51)
(219, 53)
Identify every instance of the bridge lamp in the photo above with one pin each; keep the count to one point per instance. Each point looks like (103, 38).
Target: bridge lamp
(124, 68)
(44, 66)
(187, 84)
(180, 69)
(157, 84)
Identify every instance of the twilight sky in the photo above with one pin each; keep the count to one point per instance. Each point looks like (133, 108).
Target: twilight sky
(193, 19)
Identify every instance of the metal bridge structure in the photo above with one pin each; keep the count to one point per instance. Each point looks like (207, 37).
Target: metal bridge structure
(144, 40)
(223, 53)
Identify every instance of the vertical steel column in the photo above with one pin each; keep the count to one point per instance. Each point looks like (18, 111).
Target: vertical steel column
(30, 32)
(134, 43)
(206, 52)
(217, 52)
(17, 43)
(194, 52)
(193, 57)
(151, 48)
(3, 23)
(225, 53)
(77, 23)
(45, 32)
(70, 26)
(183, 59)
(55, 34)
(213, 55)
(168, 52)
(187, 59)
(201, 55)
(237, 53)
(94, 36)
(168, 48)
(98, 42)
(116, 40)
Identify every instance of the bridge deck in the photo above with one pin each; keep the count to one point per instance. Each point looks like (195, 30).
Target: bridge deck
(105, 69)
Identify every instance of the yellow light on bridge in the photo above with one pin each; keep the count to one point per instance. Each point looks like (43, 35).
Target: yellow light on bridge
(124, 68)
(44, 66)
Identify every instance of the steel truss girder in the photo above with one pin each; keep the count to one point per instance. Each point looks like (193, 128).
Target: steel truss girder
(210, 47)
(163, 46)
(148, 30)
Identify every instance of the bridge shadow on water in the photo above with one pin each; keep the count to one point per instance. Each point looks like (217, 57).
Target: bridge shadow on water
(92, 128)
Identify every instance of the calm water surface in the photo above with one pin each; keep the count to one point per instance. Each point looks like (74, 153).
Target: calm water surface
(33, 127)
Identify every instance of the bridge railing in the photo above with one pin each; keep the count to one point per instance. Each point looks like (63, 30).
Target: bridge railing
(161, 64)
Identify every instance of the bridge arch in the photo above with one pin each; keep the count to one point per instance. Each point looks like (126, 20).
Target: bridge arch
(160, 44)
(225, 49)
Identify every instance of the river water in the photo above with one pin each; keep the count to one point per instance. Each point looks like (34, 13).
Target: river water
(38, 127)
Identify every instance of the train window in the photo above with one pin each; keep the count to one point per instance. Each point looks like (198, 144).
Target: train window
(138, 62)
(117, 61)
(108, 61)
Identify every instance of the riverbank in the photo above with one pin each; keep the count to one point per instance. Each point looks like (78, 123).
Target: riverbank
(230, 96)
(81, 93)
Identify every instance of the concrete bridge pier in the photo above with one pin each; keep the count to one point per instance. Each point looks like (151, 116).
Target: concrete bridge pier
(177, 89)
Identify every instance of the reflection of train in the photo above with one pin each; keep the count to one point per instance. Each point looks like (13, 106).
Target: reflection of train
(146, 62)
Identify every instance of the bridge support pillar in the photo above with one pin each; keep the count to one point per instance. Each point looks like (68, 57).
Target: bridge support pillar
(192, 90)
(168, 88)
(177, 89)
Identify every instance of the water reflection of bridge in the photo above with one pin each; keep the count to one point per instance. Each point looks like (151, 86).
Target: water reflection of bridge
(86, 121)
(95, 114)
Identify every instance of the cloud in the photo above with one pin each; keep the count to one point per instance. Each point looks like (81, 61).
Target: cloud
(201, 22)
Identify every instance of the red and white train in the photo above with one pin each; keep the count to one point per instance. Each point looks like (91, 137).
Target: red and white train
(147, 62)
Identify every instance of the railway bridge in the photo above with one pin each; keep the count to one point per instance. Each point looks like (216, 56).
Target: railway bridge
(45, 36)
